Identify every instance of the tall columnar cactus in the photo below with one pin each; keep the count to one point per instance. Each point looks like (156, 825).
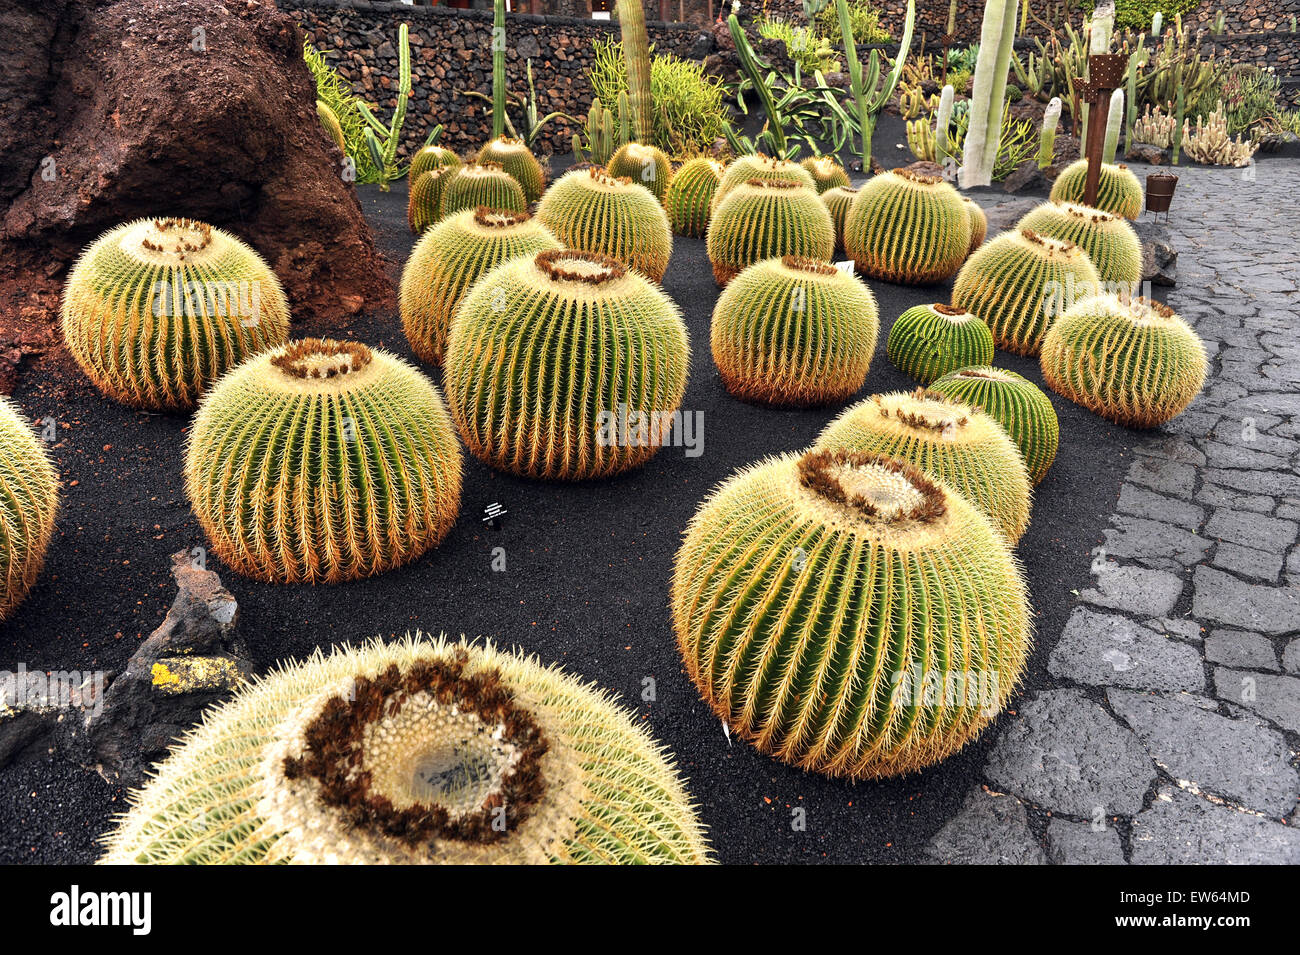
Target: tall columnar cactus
(418, 751)
(424, 199)
(928, 341)
(690, 196)
(29, 502)
(1047, 138)
(566, 365)
(329, 121)
(450, 258)
(838, 200)
(869, 91)
(499, 90)
(636, 54)
(942, 122)
(948, 440)
(757, 166)
(997, 37)
(1014, 402)
(1118, 190)
(431, 157)
(518, 161)
(156, 310)
(1109, 240)
(765, 218)
(979, 223)
(826, 172)
(604, 134)
(383, 152)
(323, 461)
(849, 615)
(1114, 122)
(794, 331)
(642, 164)
(905, 227)
(1127, 359)
(592, 211)
(481, 184)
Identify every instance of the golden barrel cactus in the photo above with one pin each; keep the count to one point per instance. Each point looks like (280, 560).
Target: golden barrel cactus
(764, 219)
(432, 157)
(1111, 244)
(826, 173)
(837, 200)
(928, 341)
(424, 201)
(979, 223)
(690, 195)
(29, 502)
(1118, 190)
(909, 228)
(1016, 403)
(477, 184)
(757, 166)
(518, 162)
(647, 165)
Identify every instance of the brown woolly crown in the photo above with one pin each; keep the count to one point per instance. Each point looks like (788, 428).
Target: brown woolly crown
(499, 218)
(801, 263)
(912, 175)
(187, 236)
(919, 421)
(606, 269)
(817, 474)
(310, 358)
(774, 183)
(951, 311)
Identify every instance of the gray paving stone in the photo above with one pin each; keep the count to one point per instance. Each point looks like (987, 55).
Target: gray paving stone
(1173, 448)
(1180, 828)
(1253, 482)
(1251, 530)
(1103, 649)
(1276, 698)
(1244, 456)
(1135, 589)
(1176, 626)
(989, 830)
(1217, 496)
(1291, 656)
(1162, 546)
(1224, 599)
(1241, 648)
(1077, 843)
(1157, 507)
(1163, 475)
(1247, 562)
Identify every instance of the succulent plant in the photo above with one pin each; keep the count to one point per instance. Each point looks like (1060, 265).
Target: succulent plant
(518, 162)
(794, 331)
(477, 184)
(905, 227)
(826, 173)
(643, 164)
(156, 310)
(566, 365)
(1014, 402)
(767, 218)
(950, 441)
(979, 223)
(928, 341)
(323, 461)
(849, 615)
(329, 120)
(1019, 282)
(29, 502)
(1109, 240)
(450, 258)
(432, 157)
(466, 755)
(1118, 190)
(837, 200)
(690, 195)
(1127, 359)
(591, 211)
(424, 200)
(757, 166)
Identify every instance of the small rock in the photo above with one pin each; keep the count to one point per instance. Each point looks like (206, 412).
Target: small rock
(991, 829)
(1147, 153)
(1159, 257)
(1025, 178)
(1078, 843)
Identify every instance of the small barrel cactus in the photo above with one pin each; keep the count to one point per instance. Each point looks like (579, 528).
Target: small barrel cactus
(566, 365)
(928, 341)
(757, 166)
(1016, 403)
(646, 165)
(29, 502)
(518, 162)
(1118, 190)
(1109, 240)
(156, 310)
(826, 173)
(979, 223)
(948, 440)
(1020, 282)
(690, 194)
(424, 201)
(477, 184)
(767, 218)
(415, 751)
(323, 461)
(794, 331)
(849, 615)
(329, 120)
(837, 200)
(450, 258)
(432, 157)
(1127, 359)
(591, 211)
(909, 228)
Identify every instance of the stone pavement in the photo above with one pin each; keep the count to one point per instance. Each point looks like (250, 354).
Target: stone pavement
(1170, 731)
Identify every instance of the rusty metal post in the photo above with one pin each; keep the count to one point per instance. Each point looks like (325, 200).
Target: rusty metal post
(1105, 75)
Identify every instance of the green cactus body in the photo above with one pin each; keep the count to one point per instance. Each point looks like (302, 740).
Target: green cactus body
(979, 223)
(518, 162)
(156, 310)
(432, 157)
(849, 615)
(904, 227)
(567, 365)
(758, 166)
(1019, 282)
(646, 165)
(450, 258)
(329, 120)
(591, 211)
(1135, 362)
(837, 200)
(794, 331)
(323, 461)
(1118, 190)
(826, 173)
(424, 200)
(467, 755)
(948, 440)
(690, 195)
(1014, 402)
(928, 341)
(767, 218)
(1109, 240)
(29, 503)
(481, 184)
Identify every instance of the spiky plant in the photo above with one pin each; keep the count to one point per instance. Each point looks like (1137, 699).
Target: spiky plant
(416, 751)
(928, 341)
(432, 157)
(450, 258)
(1019, 282)
(849, 615)
(156, 310)
(424, 200)
(323, 461)
(794, 331)
(905, 227)
(837, 200)
(1014, 402)
(826, 173)
(517, 160)
(1127, 359)
(644, 164)
(475, 184)
(1118, 191)
(979, 223)
(592, 211)
(948, 440)
(690, 195)
(329, 120)
(767, 218)
(1109, 240)
(757, 166)
(566, 365)
(29, 502)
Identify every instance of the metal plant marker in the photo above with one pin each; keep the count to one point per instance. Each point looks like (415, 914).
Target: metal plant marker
(1105, 75)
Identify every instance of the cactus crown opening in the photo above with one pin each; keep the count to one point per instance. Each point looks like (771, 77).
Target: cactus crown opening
(499, 218)
(1143, 311)
(1076, 211)
(601, 177)
(801, 263)
(481, 168)
(986, 374)
(321, 358)
(876, 487)
(908, 175)
(590, 268)
(925, 411)
(1051, 247)
(952, 312)
(779, 184)
(170, 241)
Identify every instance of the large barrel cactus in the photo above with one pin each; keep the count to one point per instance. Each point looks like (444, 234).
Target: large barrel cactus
(979, 223)
(690, 195)
(518, 161)
(849, 615)
(432, 157)
(757, 166)
(156, 310)
(416, 751)
(1118, 190)
(826, 173)
(1109, 240)
(1127, 359)
(928, 341)
(643, 164)
(767, 218)
(29, 501)
(909, 228)
(566, 365)
(424, 200)
(477, 184)
(1016, 403)
(1020, 282)
(323, 461)
(950, 441)
(450, 258)
(794, 331)
(837, 200)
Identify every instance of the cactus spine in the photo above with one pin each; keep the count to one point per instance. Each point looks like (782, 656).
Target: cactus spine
(929, 341)
(1114, 120)
(481, 184)
(1014, 402)
(690, 196)
(424, 201)
(330, 122)
(518, 162)
(943, 120)
(904, 227)
(499, 72)
(432, 157)
(826, 172)
(989, 88)
(636, 53)
(756, 166)
(1118, 191)
(837, 202)
(767, 218)
(1112, 245)
(979, 223)
(642, 164)
(29, 503)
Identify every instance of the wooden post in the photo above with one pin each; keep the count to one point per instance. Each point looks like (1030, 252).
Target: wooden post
(1105, 75)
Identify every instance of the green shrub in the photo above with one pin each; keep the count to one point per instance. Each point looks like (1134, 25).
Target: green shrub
(336, 93)
(864, 21)
(802, 44)
(1137, 14)
(1250, 96)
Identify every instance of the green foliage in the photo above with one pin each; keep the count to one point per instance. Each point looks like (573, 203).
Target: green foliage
(864, 22)
(336, 93)
(802, 44)
(871, 90)
(384, 151)
(1018, 143)
(1251, 97)
(1137, 14)
(929, 341)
